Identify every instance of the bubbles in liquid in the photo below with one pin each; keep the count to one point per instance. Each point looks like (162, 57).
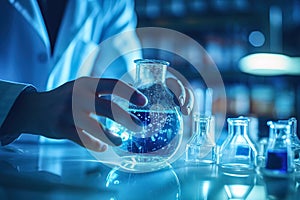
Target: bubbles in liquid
(162, 126)
(159, 129)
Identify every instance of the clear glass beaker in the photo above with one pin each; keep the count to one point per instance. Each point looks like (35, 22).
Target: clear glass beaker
(279, 154)
(162, 130)
(201, 147)
(237, 154)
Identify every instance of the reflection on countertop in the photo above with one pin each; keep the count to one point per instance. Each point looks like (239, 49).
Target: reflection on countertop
(67, 171)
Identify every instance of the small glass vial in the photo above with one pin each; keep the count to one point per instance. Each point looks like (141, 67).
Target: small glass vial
(279, 156)
(237, 154)
(201, 147)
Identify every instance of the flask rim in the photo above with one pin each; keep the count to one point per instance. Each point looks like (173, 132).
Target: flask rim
(279, 124)
(239, 121)
(151, 61)
(199, 116)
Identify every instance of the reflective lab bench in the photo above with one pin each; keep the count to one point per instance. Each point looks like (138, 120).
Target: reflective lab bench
(68, 171)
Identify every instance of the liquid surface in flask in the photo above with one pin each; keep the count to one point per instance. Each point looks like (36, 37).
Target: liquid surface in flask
(159, 127)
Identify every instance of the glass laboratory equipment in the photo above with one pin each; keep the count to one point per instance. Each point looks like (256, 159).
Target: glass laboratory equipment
(295, 142)
(136, 186)
(201, 147)
(279, 154)
(162, 132)
(237, 154)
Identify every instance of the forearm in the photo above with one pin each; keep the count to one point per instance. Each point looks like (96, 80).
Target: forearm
(10, 102)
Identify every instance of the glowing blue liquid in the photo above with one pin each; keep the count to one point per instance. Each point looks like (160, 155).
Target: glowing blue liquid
(277, 160)
(159, 129)
(162, 125)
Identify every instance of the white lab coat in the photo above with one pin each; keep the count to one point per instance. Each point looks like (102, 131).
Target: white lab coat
(25, 48)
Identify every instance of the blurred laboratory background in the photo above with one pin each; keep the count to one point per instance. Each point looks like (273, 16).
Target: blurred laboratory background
(230, 31)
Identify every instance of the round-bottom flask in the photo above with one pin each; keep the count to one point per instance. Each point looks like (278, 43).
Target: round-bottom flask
(154, 146)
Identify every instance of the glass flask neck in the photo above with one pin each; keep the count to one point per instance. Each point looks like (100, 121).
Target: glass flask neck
(293, 122)
(279, 130)
(238, 126)
(150, 71)
(201, 125)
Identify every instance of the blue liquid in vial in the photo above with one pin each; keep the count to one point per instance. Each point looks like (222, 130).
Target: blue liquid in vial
(277, 160)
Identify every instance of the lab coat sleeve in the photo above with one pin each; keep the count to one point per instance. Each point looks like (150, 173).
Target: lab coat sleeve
(120, 16)
(9, 93)
(121, 43)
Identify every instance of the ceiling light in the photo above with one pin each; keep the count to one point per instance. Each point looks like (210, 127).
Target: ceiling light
(269, 64)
